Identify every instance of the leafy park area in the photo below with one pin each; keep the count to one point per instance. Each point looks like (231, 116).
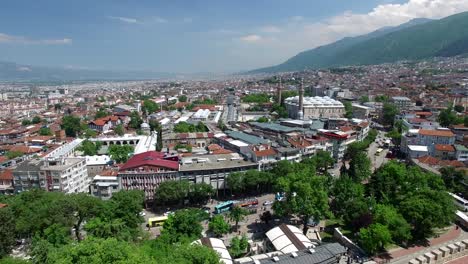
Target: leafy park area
(54, 226)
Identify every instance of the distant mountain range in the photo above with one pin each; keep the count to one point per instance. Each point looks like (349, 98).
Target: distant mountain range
(10, 71)
(417, 39)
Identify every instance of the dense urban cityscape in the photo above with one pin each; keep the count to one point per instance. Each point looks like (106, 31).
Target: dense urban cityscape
(336, 163)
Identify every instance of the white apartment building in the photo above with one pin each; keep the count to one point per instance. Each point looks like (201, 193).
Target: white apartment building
(68, 175)
(314, 107)
(104, 186)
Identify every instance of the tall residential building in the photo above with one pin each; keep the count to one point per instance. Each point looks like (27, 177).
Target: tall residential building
(68, 175)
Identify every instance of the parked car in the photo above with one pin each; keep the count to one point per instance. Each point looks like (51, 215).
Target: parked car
(267, 203)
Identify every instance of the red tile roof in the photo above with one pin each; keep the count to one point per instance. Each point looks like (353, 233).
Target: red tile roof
(436, 133)
(213, 147)
(451, 163)
(222, 151)
(150, 158)
(423, 114)
(429, 160)
(3, 205)
(444, 147)
(266, 152)
(6, 175)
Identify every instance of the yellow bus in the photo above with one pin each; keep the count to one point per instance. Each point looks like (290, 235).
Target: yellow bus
(157, 221)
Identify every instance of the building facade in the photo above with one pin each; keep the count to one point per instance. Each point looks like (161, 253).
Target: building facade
(146, 171)
(314, 107)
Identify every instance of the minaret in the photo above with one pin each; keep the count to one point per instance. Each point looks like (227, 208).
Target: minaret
(279, 91)
(300, 114)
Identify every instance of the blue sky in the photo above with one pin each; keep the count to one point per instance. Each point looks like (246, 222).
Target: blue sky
(190, 35)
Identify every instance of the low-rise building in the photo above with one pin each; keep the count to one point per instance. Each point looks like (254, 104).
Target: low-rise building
(403, 103)
(444, 151)
(103, 186)
(213, 169)
(461, 153)
(361, 111)
(6, 182)
(145, 171)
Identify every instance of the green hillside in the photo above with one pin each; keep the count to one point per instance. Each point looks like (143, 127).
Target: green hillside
(445, 37)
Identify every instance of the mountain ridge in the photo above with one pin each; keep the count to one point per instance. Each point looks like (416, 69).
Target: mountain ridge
(416, 39)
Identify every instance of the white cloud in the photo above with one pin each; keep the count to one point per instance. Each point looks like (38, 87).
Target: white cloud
(299, 34)
(251, 38)
(128, 20)
(4, 38)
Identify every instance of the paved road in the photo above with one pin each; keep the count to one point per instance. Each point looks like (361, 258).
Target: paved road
(377, 160)
(403, 256)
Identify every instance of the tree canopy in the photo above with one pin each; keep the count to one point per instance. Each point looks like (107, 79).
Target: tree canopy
(120, 153)
(72, 125)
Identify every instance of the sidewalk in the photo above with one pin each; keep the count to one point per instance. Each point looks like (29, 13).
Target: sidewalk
(403, 255)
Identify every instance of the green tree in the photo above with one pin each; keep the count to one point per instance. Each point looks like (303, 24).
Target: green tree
(149, 107)
(135, 120)
(360, 167)
(45, 131)
(323, 160)
(426, 210)
(389, 112)
(171, 192)
(36, 120)
(397, 225)
(99, 251)
(218, 226)
(237, 214)
(119, 130)
(72, 125)
(256, 98)
(454, 180)
(364, 99)
(101, 113)
(120, 153)
(199, 193)
(346, 193)
(11, 260)
(459, 108)
(306, 196)
(7, 231)
(374, 238)
(235, 182)
(159, 143)
(448, 117)
(13, 154)
(85, 207)
(263, 120)
(348, 109)
(26, 122)
(182, 98)
(90, 148)
(183, 224)
(238, 246)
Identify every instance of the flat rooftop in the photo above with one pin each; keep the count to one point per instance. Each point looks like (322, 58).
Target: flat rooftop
(210, 162)
(246, 137)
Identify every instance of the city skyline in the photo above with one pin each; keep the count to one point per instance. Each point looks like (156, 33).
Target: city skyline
(191, 36)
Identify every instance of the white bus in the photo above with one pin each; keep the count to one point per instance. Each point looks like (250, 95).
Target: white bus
(460, 202)
(461, 219)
